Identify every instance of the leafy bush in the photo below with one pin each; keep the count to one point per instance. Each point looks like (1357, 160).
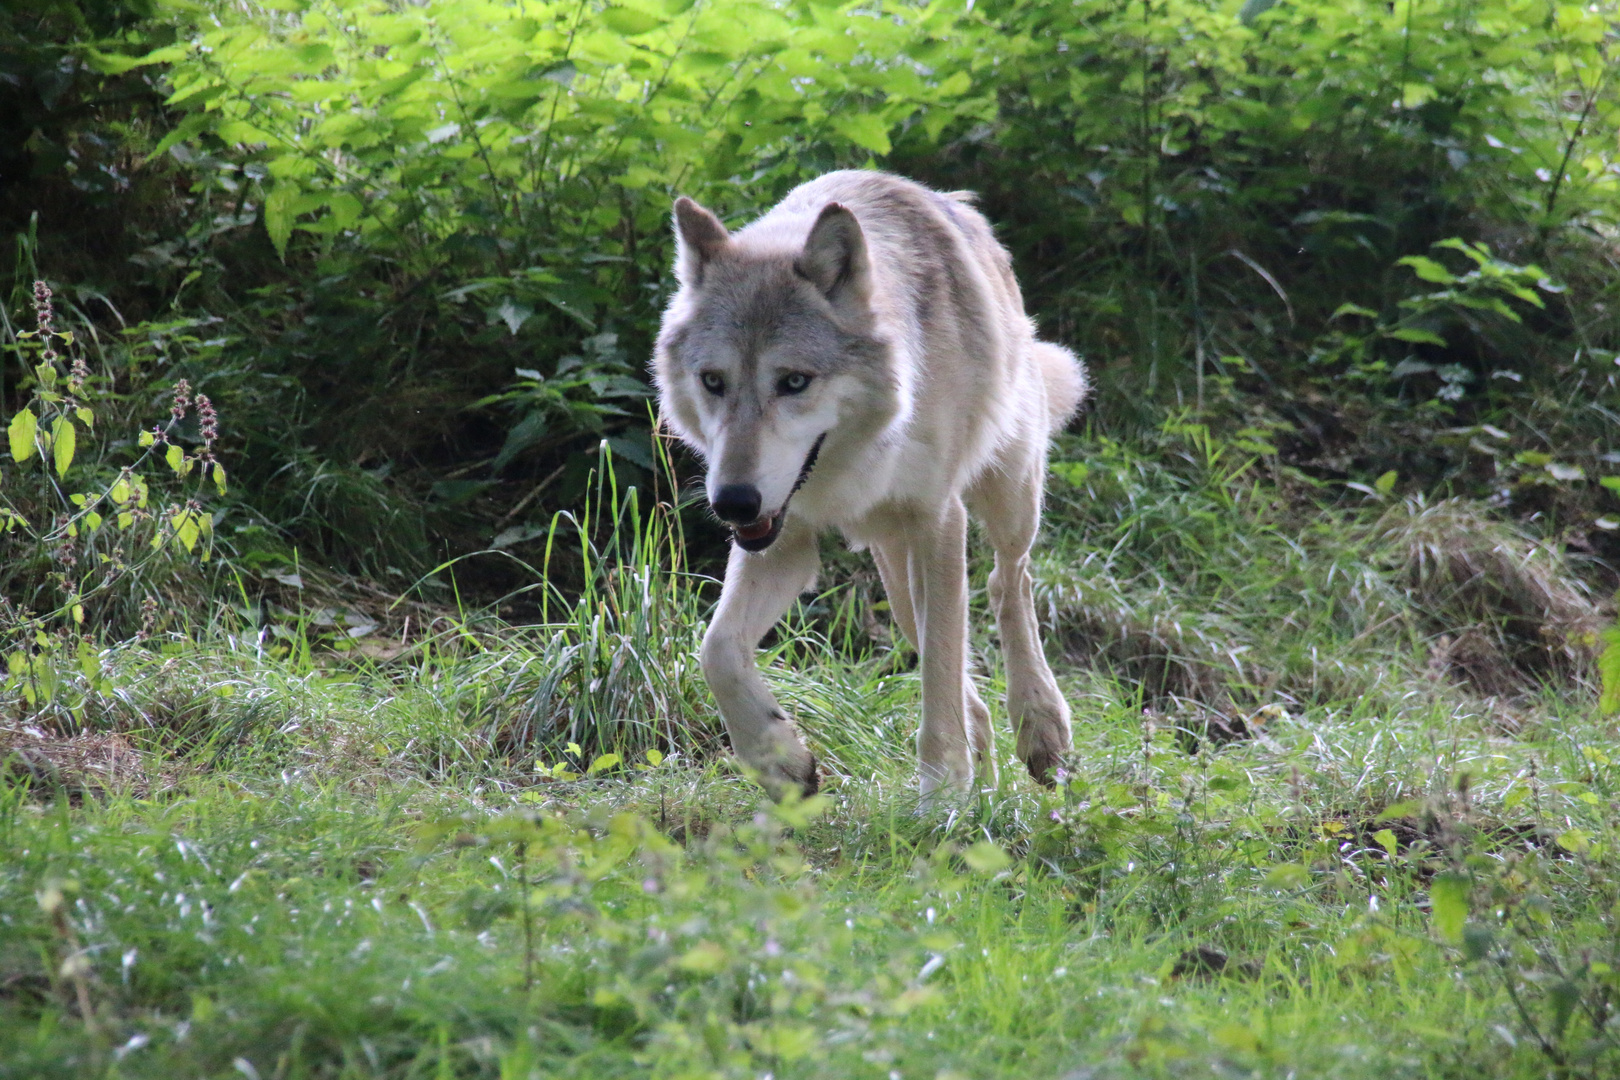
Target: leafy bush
(1194, 190)
(88, 549)
(471, 199)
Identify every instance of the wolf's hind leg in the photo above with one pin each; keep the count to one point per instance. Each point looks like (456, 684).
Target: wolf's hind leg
(891, 564)
(1007, 501)
(758, 591)
(936, 575)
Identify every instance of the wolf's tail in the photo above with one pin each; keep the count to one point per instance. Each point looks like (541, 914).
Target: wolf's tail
(1065, 378)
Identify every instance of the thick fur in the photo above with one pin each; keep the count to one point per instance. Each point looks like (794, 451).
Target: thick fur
(859, 359)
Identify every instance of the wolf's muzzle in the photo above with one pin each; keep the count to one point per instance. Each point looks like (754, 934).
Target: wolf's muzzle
(756, 533)
(737, 504)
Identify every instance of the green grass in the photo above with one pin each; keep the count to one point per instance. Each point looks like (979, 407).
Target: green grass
(248, 855)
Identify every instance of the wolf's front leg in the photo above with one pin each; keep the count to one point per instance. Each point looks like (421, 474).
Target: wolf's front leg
(937, 571)
(759, 589)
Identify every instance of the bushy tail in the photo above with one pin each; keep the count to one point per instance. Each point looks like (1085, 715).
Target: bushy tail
(1065, 378)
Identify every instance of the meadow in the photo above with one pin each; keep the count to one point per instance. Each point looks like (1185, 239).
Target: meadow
(351, 723)
(1295, 837)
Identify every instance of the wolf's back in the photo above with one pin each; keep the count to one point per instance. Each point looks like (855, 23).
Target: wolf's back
(1065, 379)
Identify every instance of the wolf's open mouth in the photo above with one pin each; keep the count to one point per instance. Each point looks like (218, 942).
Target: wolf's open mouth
(762, 532)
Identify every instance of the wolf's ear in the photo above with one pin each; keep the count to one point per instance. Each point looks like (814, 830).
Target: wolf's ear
(834, 258)
(699, 237)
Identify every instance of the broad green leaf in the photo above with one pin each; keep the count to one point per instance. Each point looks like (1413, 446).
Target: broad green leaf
(986, 858)
(629, 21)
(187, 528)
(704, 958)
(1609, 671)
(1287, 876)
(865, 130)
(278, 214)
(1428, 269)
(605, 761)
(1386, 840)
(22, 431)
(1564, 996)
(1448, 905)
(176, 458)
(1420, 337)
(64, 441)
(1386, 483)
(1575, 841)
(1396, 811)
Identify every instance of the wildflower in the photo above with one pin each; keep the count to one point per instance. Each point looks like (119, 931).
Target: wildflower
(208, 422)
(182, 399)
(44, 318)
(149, 613)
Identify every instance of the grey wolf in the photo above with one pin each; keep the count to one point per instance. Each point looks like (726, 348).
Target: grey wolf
(859, 359)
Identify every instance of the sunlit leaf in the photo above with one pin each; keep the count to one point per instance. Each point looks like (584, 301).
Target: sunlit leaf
(1448, 905)
(21, 432)
(64, 442)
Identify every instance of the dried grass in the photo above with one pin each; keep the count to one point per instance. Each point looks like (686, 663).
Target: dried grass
(1505, 609)
(76, 765)
(1177, 655)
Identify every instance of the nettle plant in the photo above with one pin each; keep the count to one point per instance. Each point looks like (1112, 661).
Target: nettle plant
(87, 545)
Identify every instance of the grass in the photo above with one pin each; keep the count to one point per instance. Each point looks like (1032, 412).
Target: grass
(256, 856)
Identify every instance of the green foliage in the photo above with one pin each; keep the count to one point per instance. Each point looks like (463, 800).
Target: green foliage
(86, 545)
(1609, 670)
(1204, 203)
(464, 191)
(411, 220)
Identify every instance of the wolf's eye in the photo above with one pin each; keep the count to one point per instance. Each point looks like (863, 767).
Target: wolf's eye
(793, 383)
(713, 382)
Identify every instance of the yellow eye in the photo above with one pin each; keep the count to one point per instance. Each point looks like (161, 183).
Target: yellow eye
(793, 383)
(713, 382)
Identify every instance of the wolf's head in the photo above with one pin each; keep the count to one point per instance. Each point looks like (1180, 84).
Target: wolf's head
(766, 349)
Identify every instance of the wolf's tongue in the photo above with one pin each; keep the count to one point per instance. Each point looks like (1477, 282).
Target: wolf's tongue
(756, 530)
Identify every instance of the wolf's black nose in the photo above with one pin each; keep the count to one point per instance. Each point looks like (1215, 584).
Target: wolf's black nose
(737, 503)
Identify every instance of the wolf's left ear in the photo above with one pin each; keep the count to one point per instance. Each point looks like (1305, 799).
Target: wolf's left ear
(834, 259)
(699, 237)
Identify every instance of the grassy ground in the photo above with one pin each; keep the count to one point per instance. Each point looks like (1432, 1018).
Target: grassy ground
(1340, 805)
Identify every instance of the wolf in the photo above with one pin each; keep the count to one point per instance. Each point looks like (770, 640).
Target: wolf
(859, 359)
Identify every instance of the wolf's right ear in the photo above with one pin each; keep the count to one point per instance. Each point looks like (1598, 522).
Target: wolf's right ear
(834, 259)
(699, 237)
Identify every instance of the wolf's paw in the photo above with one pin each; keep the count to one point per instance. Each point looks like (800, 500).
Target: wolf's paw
(788, 764)
(803, 777)
(1043, 739)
